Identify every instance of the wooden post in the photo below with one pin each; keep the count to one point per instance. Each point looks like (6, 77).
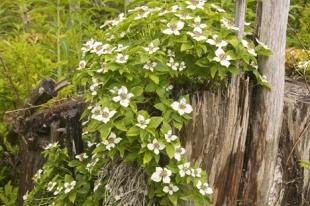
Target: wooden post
(267, 106)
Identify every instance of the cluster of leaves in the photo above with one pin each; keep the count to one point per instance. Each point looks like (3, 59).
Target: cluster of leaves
(128, 73)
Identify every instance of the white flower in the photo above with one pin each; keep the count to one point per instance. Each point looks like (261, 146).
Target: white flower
(179, 151)
(152, 48)
(90, 144)
(81, 157)
(143, 12)
(111, 141)
(149, 65)
(250, 49)
(88, 46)
(182, 107)
(196, 172)
(114, 90)
(170, 189)
(263, 44)
(82, 65)
(174, 28)
(170, 137)
(176, 65)
(204, 188)
(303, 64)
(254, 65)
(121, 58)
(69, 186)
(217, 8)
(216, 41)
(169, 88)
(51, 186)
(155, 146)
(198, 24)
(90, 165)
(93, 88)
(195, 4)
(120, 48)
(142, 122)
(51, 146)
(104, 115)
(184, 16)
(222, 57)
(161, 174)
(123, 96)
(174, 8)
(37, 175)
(99, 48)
(197, 34)
(184, 169)
(25, 196)
(96, 186)
(229, 25)
(170, 53)
(58, 190)
(118, 20)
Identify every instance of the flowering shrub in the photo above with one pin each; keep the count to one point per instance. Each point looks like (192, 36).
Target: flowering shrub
(128, 74)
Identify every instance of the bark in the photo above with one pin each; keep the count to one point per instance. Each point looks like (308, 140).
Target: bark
(267, 106)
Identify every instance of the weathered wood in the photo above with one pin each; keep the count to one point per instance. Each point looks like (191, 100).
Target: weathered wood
(267, 106)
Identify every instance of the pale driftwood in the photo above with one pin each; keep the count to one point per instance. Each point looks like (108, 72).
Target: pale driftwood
(267, 106)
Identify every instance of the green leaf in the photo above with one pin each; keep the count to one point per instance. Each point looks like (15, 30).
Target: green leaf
(72, 197)
(137, 91)
(173, 199)
(160, 106)
(133, 131)
(154, 78)
(105, 131)
(186, 46)
(155, 122)
(120, 125)
(148, 156)
(170, 150)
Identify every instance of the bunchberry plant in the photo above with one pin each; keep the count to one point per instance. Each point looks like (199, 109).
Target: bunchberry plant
(127, 76)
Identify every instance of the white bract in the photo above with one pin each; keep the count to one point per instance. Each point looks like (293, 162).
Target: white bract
(51, 146)
(197, 34)
(69, 186)
(88, 46)
(222, 57)
(155, 146)
(120, 48)
(149, 65)
(195, 4)
(121, 58)
(81, 157)
(204, 188)
(82, 65)
(170, 189)
(179, 151)
(104, 115)
(151, 48)
(216, 41)
(119, 19)
(229, 25)
(217, 8)
(111, 141)
(123, 96)
(94, 86)
(161, 174)
(250, 49)
(196, 172)
(263, 44)
(184, 169)
(170, 137)
(176, 66)
(184, 16)
(100, 49)
(182, 107)
(142, 122)
(198, 24)
(173, 28)
(143, 12)
(51, 186)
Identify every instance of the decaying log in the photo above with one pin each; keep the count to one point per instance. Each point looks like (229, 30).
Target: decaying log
(34, 128)
(213, 139)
